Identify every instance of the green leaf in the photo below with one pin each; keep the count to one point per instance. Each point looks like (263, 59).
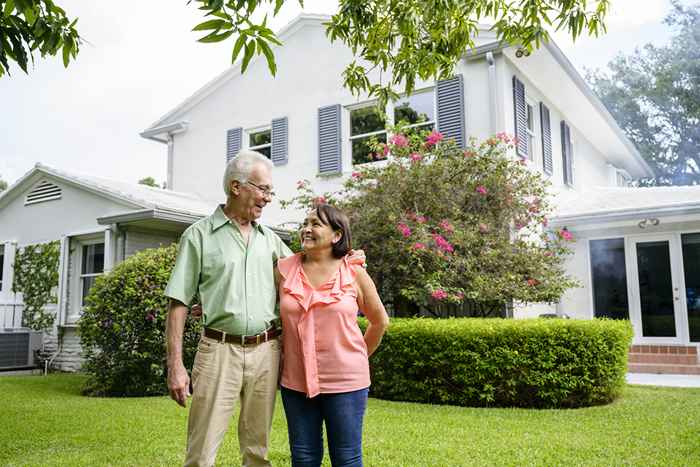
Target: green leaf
(240, 42)
(217, 24)
(262, 45)
(249, 50)
(214, 37)
(67, 47)
(9, 7)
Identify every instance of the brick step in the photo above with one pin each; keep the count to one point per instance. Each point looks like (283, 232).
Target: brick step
(663, 369)
(665, 349)
(663, 358)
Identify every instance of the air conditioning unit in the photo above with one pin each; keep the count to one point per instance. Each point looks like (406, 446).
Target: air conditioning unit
(18, 347)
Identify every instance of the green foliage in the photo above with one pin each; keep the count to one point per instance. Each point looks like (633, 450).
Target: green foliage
(36, 277)
(543, 363)
(149, 181)
(30, 25)
(122, 330)
(407, 40)
(3, 185)
(440, 224)
(654, 94)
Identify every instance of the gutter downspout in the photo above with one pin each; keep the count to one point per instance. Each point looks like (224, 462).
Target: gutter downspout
(171, 160)
(493, 102)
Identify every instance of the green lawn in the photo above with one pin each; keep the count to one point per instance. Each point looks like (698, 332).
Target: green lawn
(45, 421)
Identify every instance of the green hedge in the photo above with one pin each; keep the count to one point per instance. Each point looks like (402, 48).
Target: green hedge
(122, 331)
(495, 362)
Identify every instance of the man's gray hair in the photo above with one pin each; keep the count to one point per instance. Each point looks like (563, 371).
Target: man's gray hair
(240, 167)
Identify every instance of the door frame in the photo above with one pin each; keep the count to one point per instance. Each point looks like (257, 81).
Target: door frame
(677, 282)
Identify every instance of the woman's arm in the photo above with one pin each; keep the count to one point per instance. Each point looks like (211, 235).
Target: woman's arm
(371, 306)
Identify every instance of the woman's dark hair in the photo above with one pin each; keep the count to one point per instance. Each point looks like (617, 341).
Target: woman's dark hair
(336, 220)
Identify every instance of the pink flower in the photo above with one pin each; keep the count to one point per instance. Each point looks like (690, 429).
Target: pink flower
(404, 229)
(434, 138)
(459, 295)
(545, 222)
(418, 246)
(469, 153)
(399, 140)
(548, 253)
(481, 189)
(385, 152)
(150, 317)
(446, 226)
(532, 282)
(566, 235)
(415, 157)
(301, 184)
(442, 243)
(503, 136)
(483, 228)
(421, 219)
(356, 175)
(519, 226)
(439, 294)
(523, 161)
(319, 200)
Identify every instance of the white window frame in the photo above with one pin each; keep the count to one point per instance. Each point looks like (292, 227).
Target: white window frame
(259, 129)
(534, 143)
(390, 121)
(77, 277)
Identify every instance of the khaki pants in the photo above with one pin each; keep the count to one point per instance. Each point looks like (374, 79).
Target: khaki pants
(224, 374)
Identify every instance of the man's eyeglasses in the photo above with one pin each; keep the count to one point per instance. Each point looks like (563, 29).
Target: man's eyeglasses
(266, 191)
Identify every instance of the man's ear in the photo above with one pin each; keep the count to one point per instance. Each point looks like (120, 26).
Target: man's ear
(235, 187)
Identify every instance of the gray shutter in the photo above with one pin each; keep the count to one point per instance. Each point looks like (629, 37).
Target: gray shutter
(520, 112)
(546, 139)
(329, 156)
(450, 109)
(567, 153)
(234, 136)
(280, 137)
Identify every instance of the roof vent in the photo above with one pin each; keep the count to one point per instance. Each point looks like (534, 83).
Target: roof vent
(44, 191)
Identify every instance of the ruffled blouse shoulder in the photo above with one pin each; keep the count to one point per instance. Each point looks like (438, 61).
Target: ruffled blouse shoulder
(285, 265)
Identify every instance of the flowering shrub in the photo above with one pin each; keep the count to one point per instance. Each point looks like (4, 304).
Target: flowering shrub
(442, 224)
(122, 331)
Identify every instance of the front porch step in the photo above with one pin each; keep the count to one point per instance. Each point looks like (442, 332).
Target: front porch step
(663, 369)
(664, 359)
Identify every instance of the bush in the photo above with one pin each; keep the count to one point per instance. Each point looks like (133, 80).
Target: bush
(540, 363)
(122, 331)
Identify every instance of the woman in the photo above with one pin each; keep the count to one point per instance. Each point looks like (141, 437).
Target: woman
(325, 376)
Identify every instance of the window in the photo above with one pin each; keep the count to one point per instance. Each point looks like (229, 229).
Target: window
(609, 277)
(691, 268)
(2, 263)
(416, 110)
(261, 141)
(92, 265)
(530, 131)
(365, 122)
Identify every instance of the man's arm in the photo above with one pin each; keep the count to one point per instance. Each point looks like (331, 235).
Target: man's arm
(178, 379)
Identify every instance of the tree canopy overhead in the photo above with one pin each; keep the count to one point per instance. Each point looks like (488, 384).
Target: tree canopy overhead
(654, 94)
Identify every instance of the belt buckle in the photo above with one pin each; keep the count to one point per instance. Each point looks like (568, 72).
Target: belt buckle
(257, 339)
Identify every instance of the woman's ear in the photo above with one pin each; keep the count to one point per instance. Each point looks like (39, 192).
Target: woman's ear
(337, 236)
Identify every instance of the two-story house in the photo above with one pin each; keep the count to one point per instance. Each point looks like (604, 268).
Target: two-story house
(637, 251)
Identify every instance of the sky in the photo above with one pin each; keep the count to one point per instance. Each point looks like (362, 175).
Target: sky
(141, 60)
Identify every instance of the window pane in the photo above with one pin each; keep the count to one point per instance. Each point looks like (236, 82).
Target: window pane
(365, 120)
(88, 282)
(93, 258)
(609, 278)
(261, 137)
(361, 153)
(266, 151)
(691, 266)
(530, 118)
(656, 289)
(415, 108)
(2, 262)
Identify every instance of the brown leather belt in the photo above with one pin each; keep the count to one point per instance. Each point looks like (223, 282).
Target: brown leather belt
(269, 334)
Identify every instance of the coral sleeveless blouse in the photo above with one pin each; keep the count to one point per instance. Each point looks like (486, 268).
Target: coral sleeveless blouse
(323, 348)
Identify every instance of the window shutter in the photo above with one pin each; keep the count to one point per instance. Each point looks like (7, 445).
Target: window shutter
(546, 139)
(329, 157)
(234, 137)
(567, 153)
(520, 112)
(280, 137)
(450, 109)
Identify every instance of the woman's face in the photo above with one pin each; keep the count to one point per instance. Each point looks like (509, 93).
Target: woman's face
(317, 235)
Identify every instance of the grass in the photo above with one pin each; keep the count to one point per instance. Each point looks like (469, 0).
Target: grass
(45, 421)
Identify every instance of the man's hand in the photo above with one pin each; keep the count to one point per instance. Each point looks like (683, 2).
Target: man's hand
(196, 311)
(179, 384)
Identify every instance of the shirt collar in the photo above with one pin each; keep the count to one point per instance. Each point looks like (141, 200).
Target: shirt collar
(218, 218)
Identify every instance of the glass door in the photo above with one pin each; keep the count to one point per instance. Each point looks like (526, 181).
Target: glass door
(657, 303)
(690, 246)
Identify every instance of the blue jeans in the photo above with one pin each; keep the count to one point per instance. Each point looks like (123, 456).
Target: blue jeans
(342, 413)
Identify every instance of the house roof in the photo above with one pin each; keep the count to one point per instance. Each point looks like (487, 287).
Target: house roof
(132, 195)
(603, 204)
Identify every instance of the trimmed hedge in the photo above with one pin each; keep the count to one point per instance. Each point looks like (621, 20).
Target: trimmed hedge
(551, 363)
(122, 331)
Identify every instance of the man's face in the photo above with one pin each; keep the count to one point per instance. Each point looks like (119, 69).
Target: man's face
(254, 195)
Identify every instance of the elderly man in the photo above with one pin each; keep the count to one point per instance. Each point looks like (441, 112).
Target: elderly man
(228, 259)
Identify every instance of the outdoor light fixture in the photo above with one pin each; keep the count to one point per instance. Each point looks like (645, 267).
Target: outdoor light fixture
(648, 221)
(522, 52)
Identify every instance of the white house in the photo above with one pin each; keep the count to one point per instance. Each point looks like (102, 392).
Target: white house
(313, 128)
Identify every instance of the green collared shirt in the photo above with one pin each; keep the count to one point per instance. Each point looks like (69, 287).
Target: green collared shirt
(235, 281)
